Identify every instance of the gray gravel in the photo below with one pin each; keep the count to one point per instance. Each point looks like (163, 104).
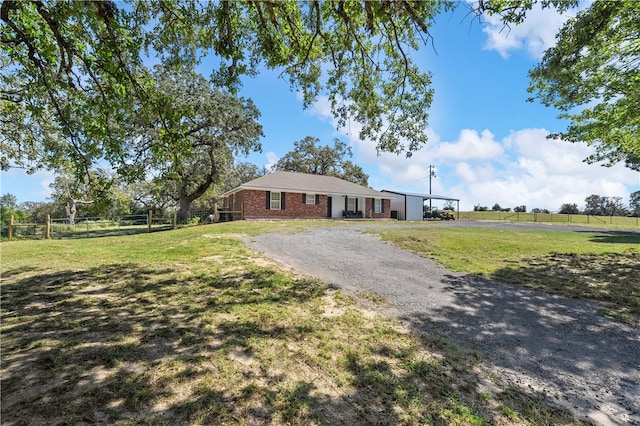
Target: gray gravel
(558, 348)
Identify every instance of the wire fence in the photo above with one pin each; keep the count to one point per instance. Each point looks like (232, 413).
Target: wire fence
(97, 226)
(24, 231)
(613, 221)
(199, 217)
(87, 227)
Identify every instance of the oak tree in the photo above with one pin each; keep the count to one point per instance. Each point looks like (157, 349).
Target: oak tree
(190, 134)
(71, 70)
(569, 208)
(591, 75)
(309, 157)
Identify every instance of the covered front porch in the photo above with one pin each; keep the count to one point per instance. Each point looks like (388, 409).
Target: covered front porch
(358, 207)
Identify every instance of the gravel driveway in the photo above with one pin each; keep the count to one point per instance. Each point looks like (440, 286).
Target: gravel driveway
(559, 348)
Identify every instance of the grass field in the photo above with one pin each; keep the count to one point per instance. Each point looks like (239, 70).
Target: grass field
(191, 327)
(589, 265)
(613, 222)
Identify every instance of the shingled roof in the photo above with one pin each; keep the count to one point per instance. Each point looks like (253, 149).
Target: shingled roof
(307, 183)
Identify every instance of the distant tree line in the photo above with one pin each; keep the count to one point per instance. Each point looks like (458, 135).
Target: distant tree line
(308, 156)
(595, 205)
(109, 195)
(71, 197)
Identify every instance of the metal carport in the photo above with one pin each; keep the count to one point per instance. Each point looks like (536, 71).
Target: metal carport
(409, 206)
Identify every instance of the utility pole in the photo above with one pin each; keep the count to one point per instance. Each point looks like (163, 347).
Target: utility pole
(432, 172)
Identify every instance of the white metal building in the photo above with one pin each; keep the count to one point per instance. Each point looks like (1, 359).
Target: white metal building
(410, 206)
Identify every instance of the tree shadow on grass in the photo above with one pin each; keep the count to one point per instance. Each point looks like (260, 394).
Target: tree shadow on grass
(79, 341)
(557, 347)
(132, 344)
(617, 237)
(612, 278)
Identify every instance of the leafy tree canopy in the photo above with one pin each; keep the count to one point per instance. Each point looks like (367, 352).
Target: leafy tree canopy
(191, 134)
(308, 157)
(592, 75)
(231, 176)
(72, 70)
(598, 205)
(9, 201)
(634, 203)
(238, 173)
(539, 210)
(90, 195)
(569, 208)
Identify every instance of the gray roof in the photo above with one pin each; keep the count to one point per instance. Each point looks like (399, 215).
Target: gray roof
(307, 183)
(427, 196)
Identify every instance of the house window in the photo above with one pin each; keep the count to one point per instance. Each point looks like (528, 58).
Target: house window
(310, 199)
(275, 200)
(351, 204)
(377, 205)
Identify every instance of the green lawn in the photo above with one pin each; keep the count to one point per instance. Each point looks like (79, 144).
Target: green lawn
(609, 222)
(590, 265)
(191, 327)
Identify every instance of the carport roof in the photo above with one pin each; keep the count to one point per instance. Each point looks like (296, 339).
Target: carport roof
(424, 196)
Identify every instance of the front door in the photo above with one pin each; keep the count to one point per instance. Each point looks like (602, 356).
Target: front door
(329, 202)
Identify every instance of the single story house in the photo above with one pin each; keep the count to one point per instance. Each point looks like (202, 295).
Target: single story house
(300, 195)
(410, 206)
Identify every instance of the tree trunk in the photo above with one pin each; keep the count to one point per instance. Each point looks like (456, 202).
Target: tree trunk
(71, 213)
(185, 206)
(185, 198)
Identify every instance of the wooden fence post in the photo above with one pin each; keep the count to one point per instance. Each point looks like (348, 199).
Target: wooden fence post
(215, 213)
(10, 227)
(175, 218)
(149, 219)
(47, 232)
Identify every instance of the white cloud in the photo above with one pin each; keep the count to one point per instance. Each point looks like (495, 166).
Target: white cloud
(470, 145)
(272, 159)
(321, 108)
(46, 179)
(27, 187)
(536, 34)
(522, 168)
(540, 173)
(472, 174)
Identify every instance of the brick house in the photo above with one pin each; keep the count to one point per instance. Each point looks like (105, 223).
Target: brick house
(289, 195)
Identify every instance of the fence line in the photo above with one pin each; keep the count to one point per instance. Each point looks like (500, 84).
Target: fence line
(13, 225)
(553, 218)
(96, 226)
(151, 219)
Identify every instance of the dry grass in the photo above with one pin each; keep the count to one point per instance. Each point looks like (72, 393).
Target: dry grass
(181, 328)
(600, 266)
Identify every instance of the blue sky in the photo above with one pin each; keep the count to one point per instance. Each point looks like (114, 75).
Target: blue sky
(487, 143)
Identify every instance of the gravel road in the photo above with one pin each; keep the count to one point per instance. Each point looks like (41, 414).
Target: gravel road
(559, 348)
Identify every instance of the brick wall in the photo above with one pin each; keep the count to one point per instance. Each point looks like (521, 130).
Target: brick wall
(233, 202)
(255, 203)
(255, 206)
(386, 209)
